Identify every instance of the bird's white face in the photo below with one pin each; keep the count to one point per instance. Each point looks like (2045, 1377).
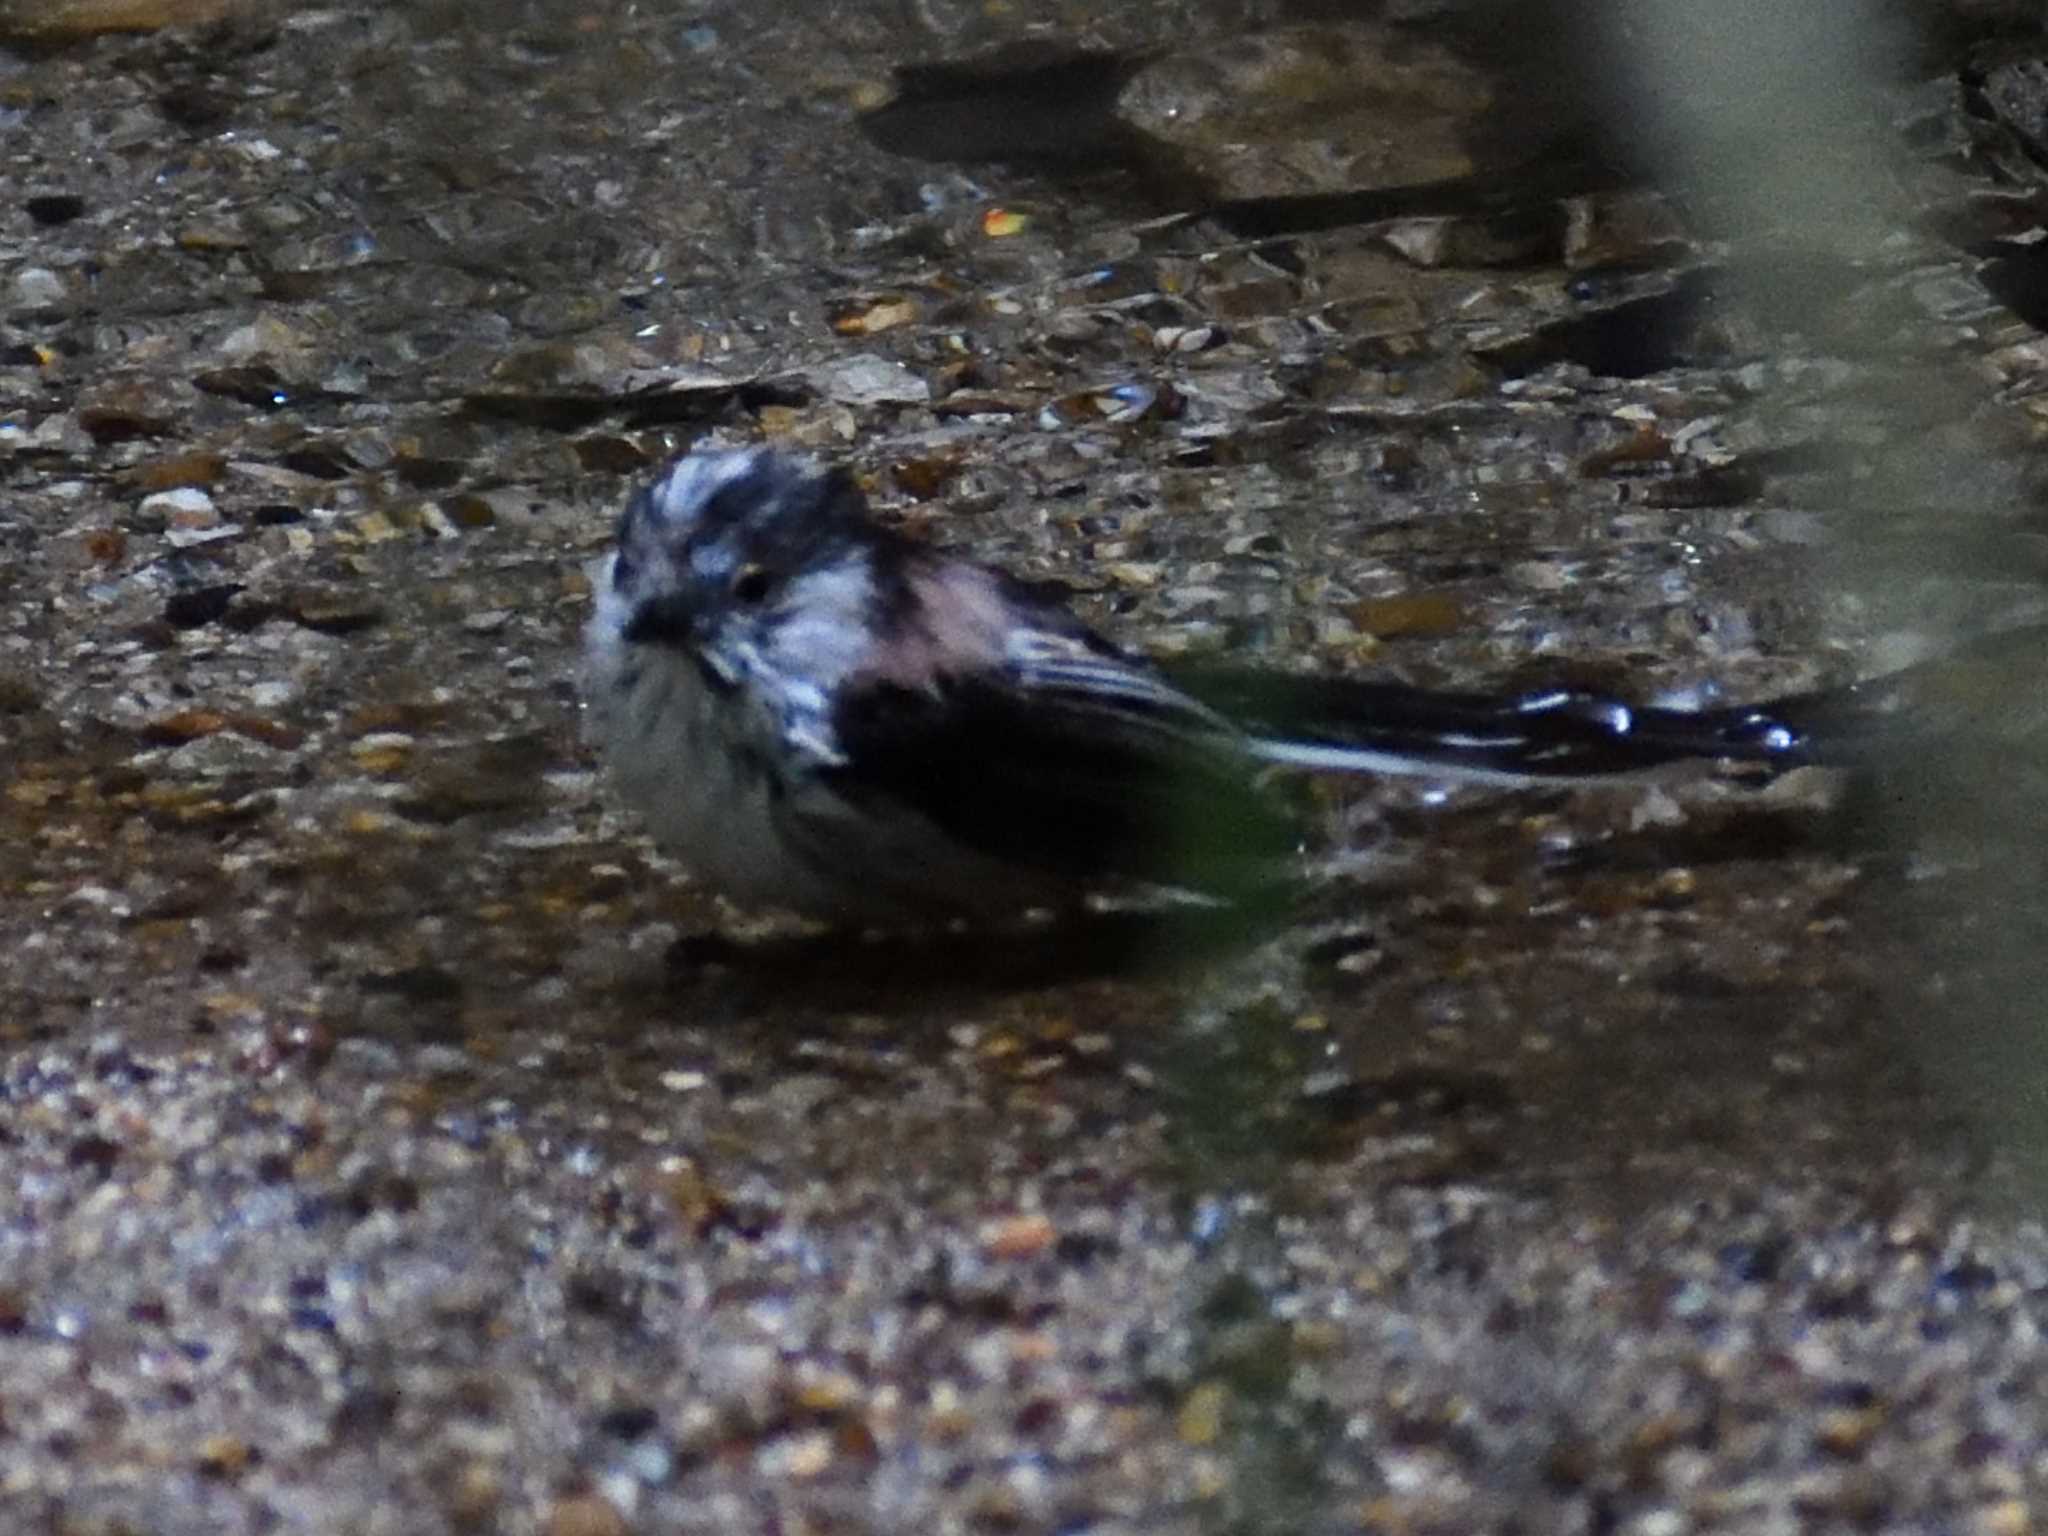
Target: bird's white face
(754, 567)
(681, 539)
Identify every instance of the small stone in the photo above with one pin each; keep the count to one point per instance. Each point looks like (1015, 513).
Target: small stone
(865, 317)
(826, 1392)
(189, 725)
(605, 453)
(584, 1514)
(195, 467)
(800, 1456)
(981, 402)
(1847, 1434)
(213, 235)
(1140, 574)
(694, 1199)
(1186, 338)
(225, 1456)
(1200, 1420)
(183, 726)
(2008, 1517)
(121, 420)
(1421, 613)
(1645, 446)
(1021, 1236)
(383, 752)
(475, 1497)
(39, 288)
(866, 379)
(1114, 404)
(926, 477)
(1613, 229)
(104, 546)
(186, 507)
(332, 610)
(1540, 575)
(36, 793)
(256, 384)
(264, 339)
(58, 22)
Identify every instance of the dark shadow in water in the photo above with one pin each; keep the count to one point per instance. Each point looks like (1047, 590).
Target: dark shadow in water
(841, 969)
(1040, 107)
(1053, 110)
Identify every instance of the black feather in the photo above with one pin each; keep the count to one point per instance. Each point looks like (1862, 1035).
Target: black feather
(1064, 786)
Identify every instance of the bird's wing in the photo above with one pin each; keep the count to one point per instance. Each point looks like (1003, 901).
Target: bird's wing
(1071, 759)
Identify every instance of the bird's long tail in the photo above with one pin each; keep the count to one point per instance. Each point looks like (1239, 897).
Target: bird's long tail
(1345, 725)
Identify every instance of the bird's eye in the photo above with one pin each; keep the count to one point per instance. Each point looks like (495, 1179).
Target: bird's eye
(751, 583)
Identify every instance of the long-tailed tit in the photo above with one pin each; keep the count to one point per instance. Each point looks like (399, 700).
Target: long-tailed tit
(814, 711)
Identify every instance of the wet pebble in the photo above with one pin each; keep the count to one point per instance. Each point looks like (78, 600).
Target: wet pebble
(39, 288)
(867, 379)
(868, 317)
(186, 507)
(333, 610)
(585, 1514)
(189, 468)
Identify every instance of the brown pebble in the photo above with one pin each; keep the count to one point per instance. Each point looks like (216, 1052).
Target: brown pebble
(333, 610)
(68, 21)
(864, 317)
(104, 545)
(118, 424)
(1422, 613)
(225, 1456)
(1847, 1434)
(584, 1514)
(604, 453)
(695, 1201)
(1646, 445)
(272, 733)
(475, 1496)
(177, 470)
(184, 725)
(190, 724)
(1200, 1419)
(1018, 1237)
(853, 1440)
(925, 477)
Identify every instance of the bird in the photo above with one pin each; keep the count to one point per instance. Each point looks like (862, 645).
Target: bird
(817, 712)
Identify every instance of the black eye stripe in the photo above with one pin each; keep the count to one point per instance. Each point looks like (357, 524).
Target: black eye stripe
(661, 621)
